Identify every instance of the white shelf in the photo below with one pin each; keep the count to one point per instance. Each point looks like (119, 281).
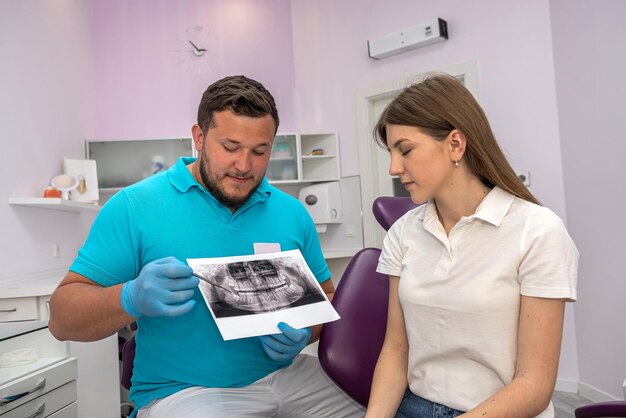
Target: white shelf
(279, 182)
(342, 253)
(318, 180)
(54, 203)
(317, 157)
(303, 165)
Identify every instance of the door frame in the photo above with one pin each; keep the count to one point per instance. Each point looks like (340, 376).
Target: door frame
(365, 99)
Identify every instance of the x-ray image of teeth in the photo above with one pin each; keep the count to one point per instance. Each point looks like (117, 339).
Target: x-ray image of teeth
(256, 286)
(248, 295)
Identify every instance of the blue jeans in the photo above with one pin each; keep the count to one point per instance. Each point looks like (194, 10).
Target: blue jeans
(412, 406)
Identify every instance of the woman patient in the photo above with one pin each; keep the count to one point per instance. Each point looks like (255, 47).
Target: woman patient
(478, 275)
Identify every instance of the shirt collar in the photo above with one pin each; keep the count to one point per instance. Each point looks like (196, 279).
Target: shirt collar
(179, 175)
(182, 180)
(494, 206)
(492, 209)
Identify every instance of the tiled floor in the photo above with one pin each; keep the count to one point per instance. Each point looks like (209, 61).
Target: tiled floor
(565, 403)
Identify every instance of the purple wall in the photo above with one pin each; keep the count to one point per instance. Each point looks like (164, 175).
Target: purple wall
(149, 83)
(590, 63)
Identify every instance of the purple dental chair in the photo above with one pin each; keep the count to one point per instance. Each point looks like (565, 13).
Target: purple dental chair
(348, 348)
(602, 410)
(128, 360)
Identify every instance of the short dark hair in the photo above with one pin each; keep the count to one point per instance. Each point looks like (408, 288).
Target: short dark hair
(239, 94)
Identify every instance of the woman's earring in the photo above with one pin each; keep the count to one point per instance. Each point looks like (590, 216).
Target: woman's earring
(456, 162)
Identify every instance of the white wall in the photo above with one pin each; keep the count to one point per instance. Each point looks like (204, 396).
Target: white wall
(512, 44)
(74, 70)
(46, 111)
(590, 67)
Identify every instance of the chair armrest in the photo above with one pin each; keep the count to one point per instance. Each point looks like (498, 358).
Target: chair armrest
(602, 409)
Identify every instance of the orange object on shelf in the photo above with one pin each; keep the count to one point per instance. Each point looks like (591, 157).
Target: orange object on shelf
(51, 192)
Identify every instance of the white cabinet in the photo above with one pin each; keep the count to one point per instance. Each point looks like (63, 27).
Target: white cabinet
(302, 158)
(98, 377)
(26, 298)
(320, 157)
(120, 163)
(284, 165)
(40, 388)
(48, 404)
(69, 411)
(24, 307)
(21, 309)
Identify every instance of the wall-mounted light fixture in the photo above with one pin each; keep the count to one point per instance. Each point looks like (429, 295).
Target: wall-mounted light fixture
(416, 36)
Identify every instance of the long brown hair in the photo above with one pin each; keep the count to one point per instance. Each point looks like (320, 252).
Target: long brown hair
(438, 104)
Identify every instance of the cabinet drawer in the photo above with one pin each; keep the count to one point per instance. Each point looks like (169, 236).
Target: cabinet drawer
(46, 404)
(44, 307)
(70, 411)
(18, 309)
(24, 389)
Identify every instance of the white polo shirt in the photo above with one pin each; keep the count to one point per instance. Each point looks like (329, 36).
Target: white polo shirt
(460, 293)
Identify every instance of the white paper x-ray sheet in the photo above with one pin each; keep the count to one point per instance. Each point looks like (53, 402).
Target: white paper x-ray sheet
(249, 295)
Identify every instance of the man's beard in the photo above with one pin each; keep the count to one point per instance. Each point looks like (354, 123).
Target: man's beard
(213, 186)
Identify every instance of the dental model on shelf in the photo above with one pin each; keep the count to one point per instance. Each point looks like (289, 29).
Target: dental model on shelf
(65, 183)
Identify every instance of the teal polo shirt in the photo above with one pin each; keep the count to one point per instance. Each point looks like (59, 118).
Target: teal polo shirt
(170, 214)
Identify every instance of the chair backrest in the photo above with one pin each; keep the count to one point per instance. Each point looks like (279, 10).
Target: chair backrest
(388, 209)
(128, 361)
(348, 348)
(602, 409)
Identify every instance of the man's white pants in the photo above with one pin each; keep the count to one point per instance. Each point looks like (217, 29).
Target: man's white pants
(300, 390)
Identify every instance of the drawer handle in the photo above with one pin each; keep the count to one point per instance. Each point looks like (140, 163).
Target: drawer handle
(11, 398)
(39, 411)
(9, 310)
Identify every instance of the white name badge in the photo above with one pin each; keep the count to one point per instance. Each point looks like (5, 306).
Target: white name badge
(266, 247)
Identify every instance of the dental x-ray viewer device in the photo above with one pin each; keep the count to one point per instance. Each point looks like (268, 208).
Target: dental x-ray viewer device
(323, 201)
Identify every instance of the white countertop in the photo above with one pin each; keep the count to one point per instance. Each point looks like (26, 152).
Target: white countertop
(28, 285)
(37, 284)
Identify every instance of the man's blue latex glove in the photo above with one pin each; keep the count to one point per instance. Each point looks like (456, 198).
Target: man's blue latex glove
(284, 347)
(163, 287)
